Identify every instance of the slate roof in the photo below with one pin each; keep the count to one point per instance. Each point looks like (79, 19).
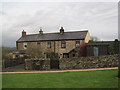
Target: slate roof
(76, 35)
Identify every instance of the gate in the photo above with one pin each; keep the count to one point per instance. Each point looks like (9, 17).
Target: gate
(54, 64)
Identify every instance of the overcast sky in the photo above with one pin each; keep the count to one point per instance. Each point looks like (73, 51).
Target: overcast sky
(100, 18)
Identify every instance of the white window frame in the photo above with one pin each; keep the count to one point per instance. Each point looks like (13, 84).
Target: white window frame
(49, 45)
(63, 44)
(77, 44)
(24, 44)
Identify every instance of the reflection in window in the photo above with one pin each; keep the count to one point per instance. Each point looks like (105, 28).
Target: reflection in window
(63, 44)
(77, 43)
(49, 45)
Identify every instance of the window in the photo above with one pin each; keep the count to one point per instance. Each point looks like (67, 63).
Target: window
(77, 43)
(25, 45)
(49, 45)
(73, 55)
(63, 44)
(65, 55)
(38, 43)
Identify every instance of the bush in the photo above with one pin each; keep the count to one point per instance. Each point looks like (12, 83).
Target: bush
(52, 55)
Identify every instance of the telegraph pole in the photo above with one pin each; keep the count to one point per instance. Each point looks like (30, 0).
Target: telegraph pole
(119, 39)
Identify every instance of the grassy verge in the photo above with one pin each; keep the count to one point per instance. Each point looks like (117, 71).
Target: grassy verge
(86, 79)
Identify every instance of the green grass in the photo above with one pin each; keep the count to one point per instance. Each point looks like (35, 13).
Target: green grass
(86, 79)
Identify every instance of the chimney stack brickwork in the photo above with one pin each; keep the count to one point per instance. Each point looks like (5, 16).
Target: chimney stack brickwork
(23, 33)
(41, 31)
(61, 30)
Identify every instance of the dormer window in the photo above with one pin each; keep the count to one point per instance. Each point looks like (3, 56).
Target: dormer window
(63, 44)
(25, 45)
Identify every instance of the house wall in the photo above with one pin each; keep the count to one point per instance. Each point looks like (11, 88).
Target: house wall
(20, 46)
(87, 38)
(55, 46)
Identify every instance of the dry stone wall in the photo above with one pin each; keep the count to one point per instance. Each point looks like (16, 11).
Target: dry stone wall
(73, 63)
(89, 62)
(37, 64)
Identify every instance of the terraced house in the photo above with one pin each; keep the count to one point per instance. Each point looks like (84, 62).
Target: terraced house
(60, 42)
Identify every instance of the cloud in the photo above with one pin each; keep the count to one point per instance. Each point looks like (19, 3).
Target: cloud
(98, 18)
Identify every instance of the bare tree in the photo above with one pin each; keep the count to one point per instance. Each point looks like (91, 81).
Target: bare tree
(94, 38)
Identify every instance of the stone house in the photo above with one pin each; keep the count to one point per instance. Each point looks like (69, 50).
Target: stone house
(60, 42)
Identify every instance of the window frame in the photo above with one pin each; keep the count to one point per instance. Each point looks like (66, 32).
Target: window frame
(49, 45)
(25, 45)
(77, 43)
(63, 44)
(38, 43)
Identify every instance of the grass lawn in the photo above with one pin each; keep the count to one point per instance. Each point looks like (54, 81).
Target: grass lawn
(85, 79)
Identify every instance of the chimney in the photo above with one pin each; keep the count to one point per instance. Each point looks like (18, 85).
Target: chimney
(61, 30)
(23, 33)
(40, 32)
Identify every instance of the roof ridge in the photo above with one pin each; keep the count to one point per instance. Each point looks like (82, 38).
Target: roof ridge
(55, 36)
(58, 32)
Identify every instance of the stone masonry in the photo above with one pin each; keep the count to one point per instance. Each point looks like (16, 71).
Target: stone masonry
(89, 62)
(37, 64)
(74, 63)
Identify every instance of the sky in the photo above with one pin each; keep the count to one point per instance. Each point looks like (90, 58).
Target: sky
(99, 18)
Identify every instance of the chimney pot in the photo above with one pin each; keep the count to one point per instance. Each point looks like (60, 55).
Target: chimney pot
(23, 33)
(61, 30)
(40, 32)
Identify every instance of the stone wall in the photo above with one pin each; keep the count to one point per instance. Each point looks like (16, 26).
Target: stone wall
(37, 64)
(89, 62)
(12, 62)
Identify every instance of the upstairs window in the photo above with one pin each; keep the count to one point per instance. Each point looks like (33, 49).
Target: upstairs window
(77, 43)
(63, 44)
(49, 45)
(25, 45)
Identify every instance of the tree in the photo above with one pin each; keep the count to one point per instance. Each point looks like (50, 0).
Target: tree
(82, 49)
(34, 52)
(52, 55)
(6, 52)
(94, 38)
